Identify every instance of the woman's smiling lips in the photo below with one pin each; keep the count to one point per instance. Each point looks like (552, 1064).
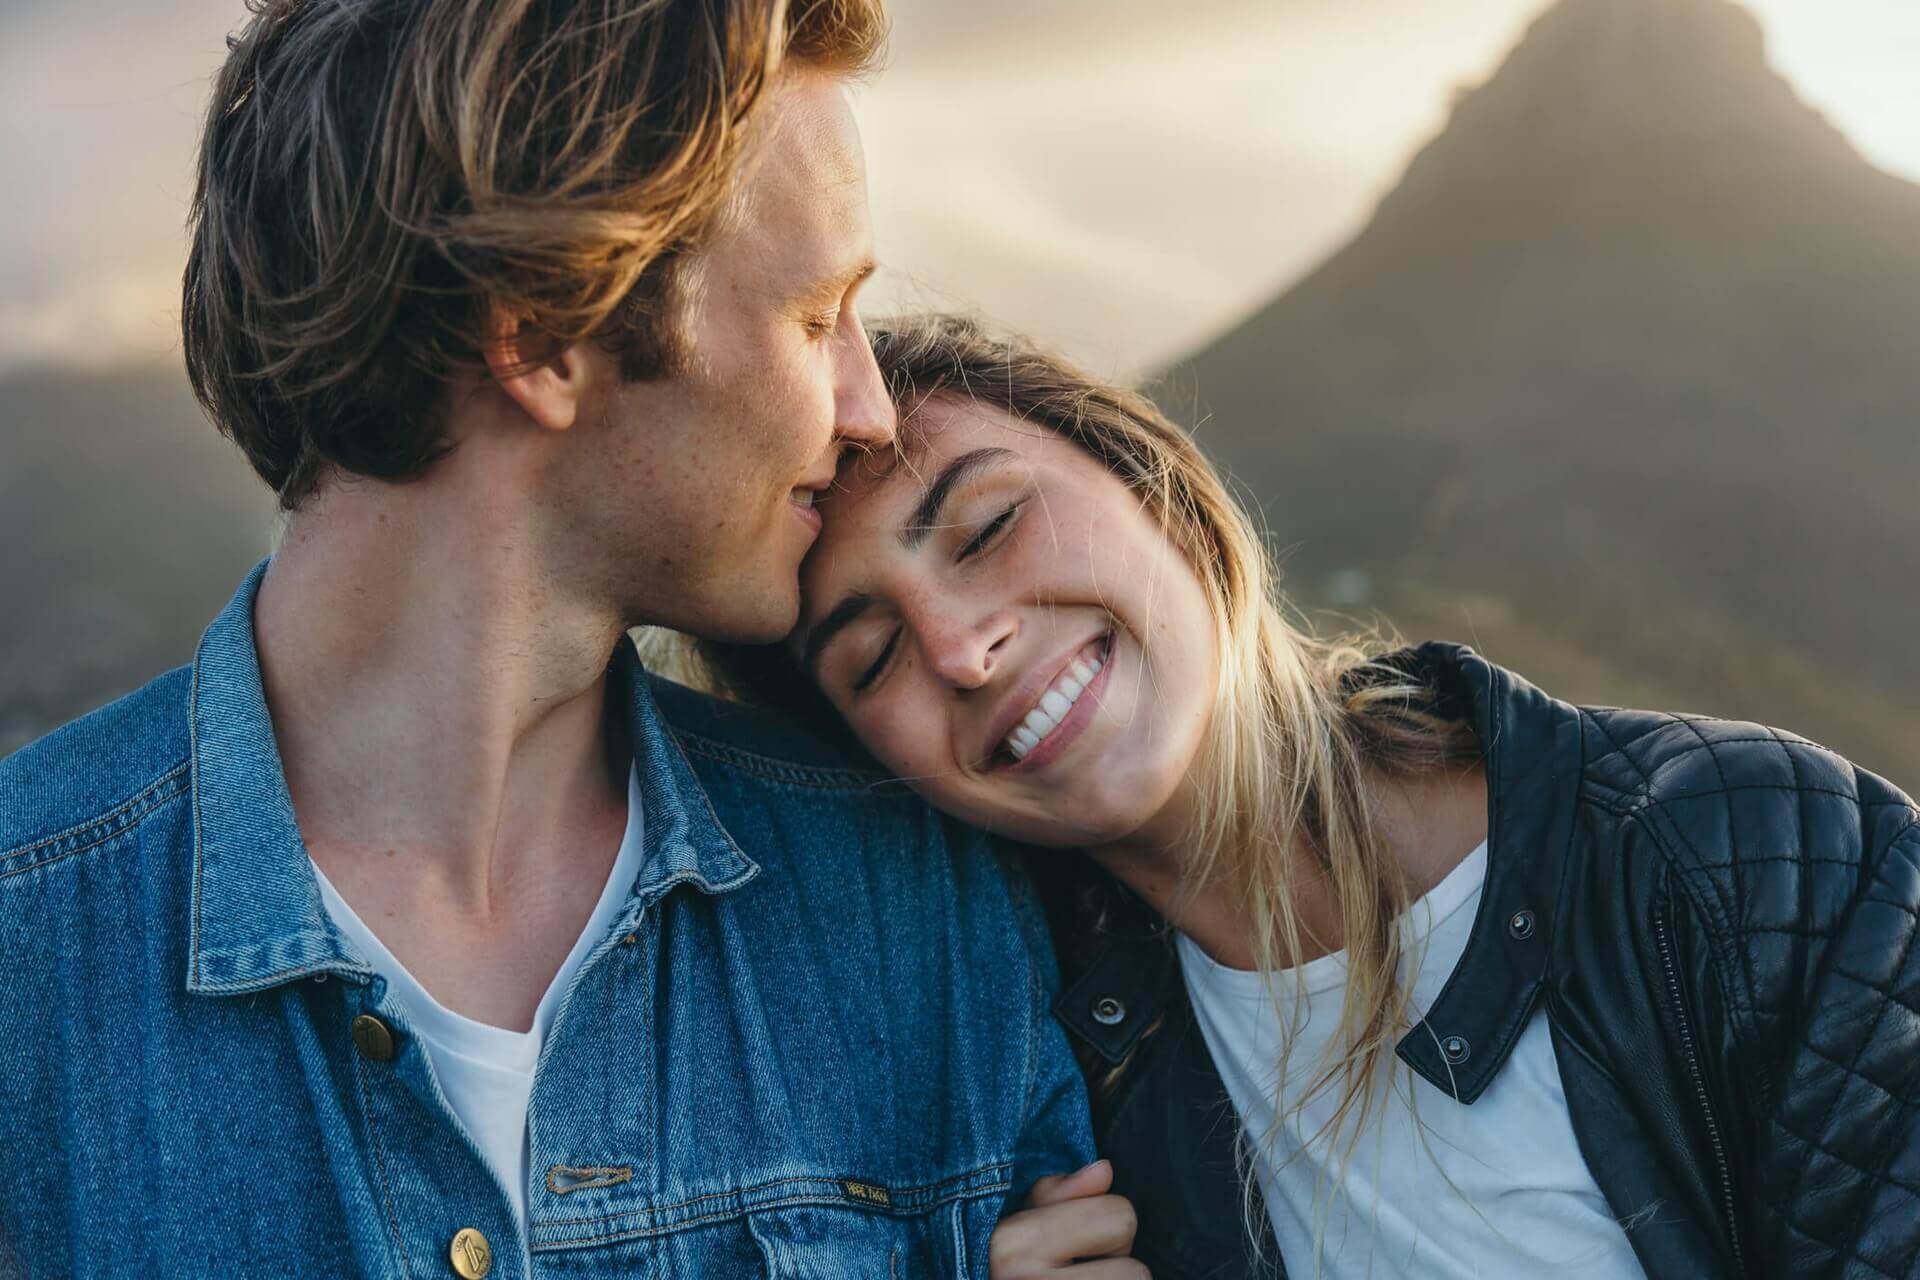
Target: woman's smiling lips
(1095, 656)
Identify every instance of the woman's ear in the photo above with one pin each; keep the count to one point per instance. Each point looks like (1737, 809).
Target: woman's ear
(546, 384)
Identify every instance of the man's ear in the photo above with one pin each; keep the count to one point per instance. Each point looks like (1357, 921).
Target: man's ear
(546, 384)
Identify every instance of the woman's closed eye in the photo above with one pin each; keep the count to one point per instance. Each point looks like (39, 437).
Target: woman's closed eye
(988, 532)
(878, 666)
(984, 538)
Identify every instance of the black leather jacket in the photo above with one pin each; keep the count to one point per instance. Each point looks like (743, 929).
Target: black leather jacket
(1718, 921)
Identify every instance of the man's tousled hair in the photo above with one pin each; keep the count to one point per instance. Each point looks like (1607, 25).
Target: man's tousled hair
(377, 176)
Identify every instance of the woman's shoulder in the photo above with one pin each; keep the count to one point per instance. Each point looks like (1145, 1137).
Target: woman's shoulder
(1679, 764)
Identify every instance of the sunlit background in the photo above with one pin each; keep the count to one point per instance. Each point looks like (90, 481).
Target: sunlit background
(1527, 410)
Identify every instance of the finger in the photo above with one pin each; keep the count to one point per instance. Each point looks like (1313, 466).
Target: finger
(1108, 1269)
(1095, 1179)
(1094, 1227)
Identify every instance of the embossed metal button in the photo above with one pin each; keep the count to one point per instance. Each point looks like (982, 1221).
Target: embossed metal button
(1521, 925)
(373, 1038)
(472, 1255)
(1455, 1049)
(1107, 1011)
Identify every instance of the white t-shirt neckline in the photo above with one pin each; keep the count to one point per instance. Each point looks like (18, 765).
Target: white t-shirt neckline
(1458, 889)
(1435, 1189)
(486, 1072)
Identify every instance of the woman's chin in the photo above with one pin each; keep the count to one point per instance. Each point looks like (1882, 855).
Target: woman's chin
(1069, 824)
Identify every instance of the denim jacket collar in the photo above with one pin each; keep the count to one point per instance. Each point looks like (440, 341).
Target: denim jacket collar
(257, 919)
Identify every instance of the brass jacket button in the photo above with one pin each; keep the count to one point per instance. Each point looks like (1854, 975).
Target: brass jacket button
(472, 1255)
(373, 1038)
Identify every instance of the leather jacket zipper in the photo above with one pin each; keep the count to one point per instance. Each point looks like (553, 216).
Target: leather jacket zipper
(1700, 1089)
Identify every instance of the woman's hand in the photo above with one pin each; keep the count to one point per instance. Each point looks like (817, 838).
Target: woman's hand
(1071, 1227)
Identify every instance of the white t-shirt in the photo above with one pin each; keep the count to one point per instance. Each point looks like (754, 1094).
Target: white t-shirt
(1435, 1188)
(487, 1071)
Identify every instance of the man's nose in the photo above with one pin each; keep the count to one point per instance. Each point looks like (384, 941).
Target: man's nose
(968, 653)
(863, 411)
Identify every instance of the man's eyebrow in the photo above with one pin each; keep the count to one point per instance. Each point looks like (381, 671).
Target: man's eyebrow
(926, 513)
(838, 619)
(855, 275)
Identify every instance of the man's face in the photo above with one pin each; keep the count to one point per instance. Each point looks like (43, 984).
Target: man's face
(699, 487)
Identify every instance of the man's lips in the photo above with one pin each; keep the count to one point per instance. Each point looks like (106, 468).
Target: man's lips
(809, 514)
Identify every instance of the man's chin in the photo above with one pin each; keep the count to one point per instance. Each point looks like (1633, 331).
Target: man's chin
(766, 619)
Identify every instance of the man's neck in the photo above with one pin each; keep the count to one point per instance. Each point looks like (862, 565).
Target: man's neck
(435, 699)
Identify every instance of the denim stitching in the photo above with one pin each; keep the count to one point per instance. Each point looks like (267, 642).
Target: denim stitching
(379, 1161)
(91, 825)
(199, 834)
(133, 822)
(749, 868)
(718, 1215)
(999, 1170)
(591, 1177)
(820, 776)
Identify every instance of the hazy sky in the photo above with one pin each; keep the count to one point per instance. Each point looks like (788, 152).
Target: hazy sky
(1120, 177)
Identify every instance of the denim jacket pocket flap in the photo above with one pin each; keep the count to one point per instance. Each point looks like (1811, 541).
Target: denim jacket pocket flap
(793, 1228)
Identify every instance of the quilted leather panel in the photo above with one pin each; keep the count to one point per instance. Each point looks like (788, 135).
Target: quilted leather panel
(1803, 874)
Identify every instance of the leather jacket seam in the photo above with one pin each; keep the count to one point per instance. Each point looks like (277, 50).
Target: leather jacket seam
(1719, 940)
(1885, 1171)
(1846, 1250)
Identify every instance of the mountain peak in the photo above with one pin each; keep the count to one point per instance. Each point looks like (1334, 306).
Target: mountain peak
(1630, 83)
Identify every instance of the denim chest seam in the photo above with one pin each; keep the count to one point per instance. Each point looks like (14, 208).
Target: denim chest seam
(380, 1163)
(99, 830)
(657, 1220)
(819, 777)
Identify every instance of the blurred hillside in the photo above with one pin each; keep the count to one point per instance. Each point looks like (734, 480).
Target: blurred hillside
(126, 523)
(1617, 385)
(1614, 386)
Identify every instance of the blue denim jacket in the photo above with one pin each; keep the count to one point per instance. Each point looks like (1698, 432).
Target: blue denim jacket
(816, 1043)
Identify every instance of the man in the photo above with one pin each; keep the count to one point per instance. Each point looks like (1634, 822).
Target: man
(414, 930)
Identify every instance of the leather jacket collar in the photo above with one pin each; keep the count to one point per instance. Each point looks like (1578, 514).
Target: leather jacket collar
(1532, 745)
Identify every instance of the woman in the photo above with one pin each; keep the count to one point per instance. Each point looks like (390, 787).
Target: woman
(1491, 984)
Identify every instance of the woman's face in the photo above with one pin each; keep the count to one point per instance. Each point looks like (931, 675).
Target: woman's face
(1006, 628)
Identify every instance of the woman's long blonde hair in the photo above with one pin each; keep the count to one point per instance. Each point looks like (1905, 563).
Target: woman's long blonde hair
(1303, 727)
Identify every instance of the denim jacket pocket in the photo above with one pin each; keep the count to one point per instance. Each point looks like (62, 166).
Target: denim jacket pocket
(801, 1228)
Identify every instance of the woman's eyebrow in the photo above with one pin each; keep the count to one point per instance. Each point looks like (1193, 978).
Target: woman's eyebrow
(924, 519)
(926, 513)
(838, 619)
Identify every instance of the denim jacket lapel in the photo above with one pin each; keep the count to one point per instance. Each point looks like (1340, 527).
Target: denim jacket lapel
(257, 919)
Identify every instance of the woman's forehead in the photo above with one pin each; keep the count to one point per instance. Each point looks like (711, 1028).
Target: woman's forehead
(932, 433)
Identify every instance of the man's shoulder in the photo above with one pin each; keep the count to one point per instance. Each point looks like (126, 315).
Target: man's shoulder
(813, 803)
(759, 744)
(104, 770)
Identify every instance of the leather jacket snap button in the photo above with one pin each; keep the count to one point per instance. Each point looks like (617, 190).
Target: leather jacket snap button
(1521, 925)
(1455, 1049)
(1109, 1012)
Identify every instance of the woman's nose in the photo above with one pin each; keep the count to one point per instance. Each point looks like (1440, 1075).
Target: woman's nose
(967, 653)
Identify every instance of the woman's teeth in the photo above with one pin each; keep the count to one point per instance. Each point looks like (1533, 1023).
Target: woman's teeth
(1053, 707)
